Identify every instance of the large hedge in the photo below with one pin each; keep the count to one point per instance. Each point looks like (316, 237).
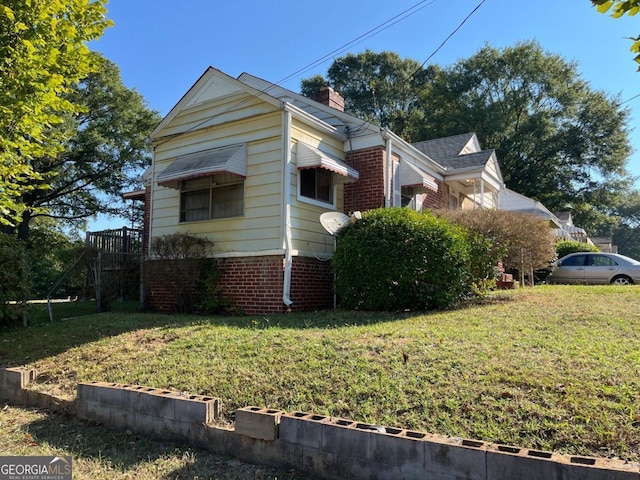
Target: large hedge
(394, 259)
(565, 247)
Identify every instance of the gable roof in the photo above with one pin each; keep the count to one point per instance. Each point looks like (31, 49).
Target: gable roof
(356, 129)
(442, 148)
(469, 160)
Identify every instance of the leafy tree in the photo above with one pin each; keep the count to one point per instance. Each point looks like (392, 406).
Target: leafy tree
(50, 252)
(103, 157)
(379, 87)
(43, 53)
(620, 8)
(557, 140)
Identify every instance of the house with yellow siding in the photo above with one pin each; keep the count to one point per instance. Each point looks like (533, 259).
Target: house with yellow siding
(251, 166)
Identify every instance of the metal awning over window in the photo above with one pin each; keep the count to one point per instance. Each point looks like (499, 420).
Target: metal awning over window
(311, 157)
(215, 161)
(412, 176)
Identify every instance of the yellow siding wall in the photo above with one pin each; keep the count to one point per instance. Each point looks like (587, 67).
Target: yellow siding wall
(251, 123)
(308, 235)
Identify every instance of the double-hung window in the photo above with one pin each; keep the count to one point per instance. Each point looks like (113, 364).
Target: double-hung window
(317, 184)
(212, 197)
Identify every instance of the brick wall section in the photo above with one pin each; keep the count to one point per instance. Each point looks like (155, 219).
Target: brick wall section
(170, 285)
(311, 284)
(368, 192)
(437, 199)
(252, 284)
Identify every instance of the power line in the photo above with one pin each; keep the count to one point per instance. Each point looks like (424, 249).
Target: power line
(452, 33)
(629, 99)
(374, 31)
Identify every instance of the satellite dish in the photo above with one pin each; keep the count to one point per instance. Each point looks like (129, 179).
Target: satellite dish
(334, 221)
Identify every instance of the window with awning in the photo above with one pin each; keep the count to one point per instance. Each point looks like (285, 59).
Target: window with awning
(230, 160)
(412, 176)
(311, 157)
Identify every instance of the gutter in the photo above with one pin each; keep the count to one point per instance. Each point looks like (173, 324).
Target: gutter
(286, 203)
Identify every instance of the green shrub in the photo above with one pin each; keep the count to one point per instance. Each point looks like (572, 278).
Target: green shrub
(14, 278)
(183, 260)
(397, 259)
(565, 247)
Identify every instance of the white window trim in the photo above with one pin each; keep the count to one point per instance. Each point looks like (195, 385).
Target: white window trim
(319, 203)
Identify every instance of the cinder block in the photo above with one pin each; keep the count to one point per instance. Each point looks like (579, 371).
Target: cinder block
(506, 462)
(100, 392)
(193, 409)
(151, 403)
(149, 424)
(589, 468)
(304, 429)
(449, 458)
(98, 412)
(342, 437)
(19, 377)
(256, 422)
(395, 447)
(120, 418)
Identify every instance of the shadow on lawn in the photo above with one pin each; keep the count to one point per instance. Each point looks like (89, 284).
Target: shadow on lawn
(142, 457)
(20, 346)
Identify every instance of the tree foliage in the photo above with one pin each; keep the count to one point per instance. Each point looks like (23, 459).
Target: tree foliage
(619, 8)
(379, 87)
(43, 53)
(102, 158)
(558, 141)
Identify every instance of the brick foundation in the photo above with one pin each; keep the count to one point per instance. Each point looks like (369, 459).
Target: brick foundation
(252, 284)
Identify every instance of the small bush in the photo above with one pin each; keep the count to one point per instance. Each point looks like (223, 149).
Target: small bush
(397, 259)
(565, 247)
(525, 241)
(182, 260)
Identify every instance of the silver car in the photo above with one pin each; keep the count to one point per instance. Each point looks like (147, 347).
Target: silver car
(600, 268)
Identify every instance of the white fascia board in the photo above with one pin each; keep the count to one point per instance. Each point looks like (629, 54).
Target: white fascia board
(426, 163)
(312, 121)
(475, 173)
(195, 89)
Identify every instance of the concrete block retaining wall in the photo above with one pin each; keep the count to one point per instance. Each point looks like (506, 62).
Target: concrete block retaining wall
(323, 446)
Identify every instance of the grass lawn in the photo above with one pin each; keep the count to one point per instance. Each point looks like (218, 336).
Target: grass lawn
(553, 368)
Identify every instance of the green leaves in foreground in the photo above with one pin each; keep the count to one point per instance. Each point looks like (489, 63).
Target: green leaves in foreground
(43, 52)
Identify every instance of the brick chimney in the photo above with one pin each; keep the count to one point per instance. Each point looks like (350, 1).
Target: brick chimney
(328, 96)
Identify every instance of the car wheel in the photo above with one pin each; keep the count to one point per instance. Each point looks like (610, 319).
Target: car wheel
(621, 280)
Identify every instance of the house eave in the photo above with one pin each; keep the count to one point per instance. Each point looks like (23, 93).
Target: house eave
(312, 121)
(429, 164)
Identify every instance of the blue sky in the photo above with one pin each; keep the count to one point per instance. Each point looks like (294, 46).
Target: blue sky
(163, 46)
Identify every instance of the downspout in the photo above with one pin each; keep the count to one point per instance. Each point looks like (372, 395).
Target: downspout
(389, 182)
(286, 203)
(151, 195)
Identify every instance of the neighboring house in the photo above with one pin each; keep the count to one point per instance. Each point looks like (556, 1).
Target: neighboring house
(577, 234)
(561, 223)
(473, 175)
(252, 166)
